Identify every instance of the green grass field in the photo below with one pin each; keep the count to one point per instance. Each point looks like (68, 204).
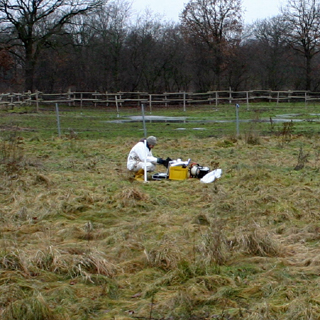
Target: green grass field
(80, 239)
(200, 121)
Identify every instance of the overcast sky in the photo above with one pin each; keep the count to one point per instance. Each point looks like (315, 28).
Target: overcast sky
(170, 9)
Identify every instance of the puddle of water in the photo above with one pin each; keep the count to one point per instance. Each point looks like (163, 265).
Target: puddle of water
(181, 129)
(149, 118)
(285, 120)
(165, 119)
(157, 118)
(288, 115)
(293, 115)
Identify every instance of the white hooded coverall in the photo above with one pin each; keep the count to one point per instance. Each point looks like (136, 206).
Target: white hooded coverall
(137, 156)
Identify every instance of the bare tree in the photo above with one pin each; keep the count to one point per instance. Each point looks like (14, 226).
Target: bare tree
(111, 27)
(303, 31)
(217, 24)
(271, 51)
(154, 53)
(30, 24)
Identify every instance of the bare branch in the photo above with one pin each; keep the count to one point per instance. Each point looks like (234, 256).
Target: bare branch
(32, 22)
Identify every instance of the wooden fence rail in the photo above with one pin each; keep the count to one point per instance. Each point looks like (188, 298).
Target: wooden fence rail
(118, 99)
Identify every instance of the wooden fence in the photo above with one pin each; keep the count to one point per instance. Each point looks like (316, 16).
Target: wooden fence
(118, 99)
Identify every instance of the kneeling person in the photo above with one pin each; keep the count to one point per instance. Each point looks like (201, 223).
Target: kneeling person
(141, 157)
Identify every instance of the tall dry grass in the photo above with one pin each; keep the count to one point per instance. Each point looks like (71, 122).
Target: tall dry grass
(79, 239)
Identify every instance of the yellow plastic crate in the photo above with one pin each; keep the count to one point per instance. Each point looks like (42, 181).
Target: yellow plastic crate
(178, 173)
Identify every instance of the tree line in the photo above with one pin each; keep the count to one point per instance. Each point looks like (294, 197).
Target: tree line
(89, 45)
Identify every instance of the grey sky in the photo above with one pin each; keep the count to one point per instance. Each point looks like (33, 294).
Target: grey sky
(170, 9)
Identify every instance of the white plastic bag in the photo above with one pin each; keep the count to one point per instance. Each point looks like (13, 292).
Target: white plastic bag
(211, 176)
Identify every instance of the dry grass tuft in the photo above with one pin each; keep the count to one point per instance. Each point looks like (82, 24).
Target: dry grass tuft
(252, 137)
(207, 284)
(30, 308)
(174, 305)
(260, 242)
(303, 308)
(130, 196)
(95, 262)
(41, 178)
(49, 259)
(214, 246)
(15, 260)
(165, 255)
(75, 263)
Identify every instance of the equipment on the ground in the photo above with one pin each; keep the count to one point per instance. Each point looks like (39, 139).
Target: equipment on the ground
(160, 176)
(178, 173)
(176, 169)
(181, 170)
(197, 171)
(211, 176)
(179, 162)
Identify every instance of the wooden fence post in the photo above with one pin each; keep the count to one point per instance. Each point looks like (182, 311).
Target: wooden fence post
(29, 97)
(305, 99)
(69, 96)
(120, 97)
(247, 97)
(150, 103)
(37, 101)
(116, 99)
(11, 101)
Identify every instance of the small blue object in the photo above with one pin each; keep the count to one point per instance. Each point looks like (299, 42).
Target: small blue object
(237, 105)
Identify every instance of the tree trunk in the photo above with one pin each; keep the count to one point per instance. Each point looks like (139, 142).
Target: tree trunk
(29, 74)
(29, 69)
(308, 72)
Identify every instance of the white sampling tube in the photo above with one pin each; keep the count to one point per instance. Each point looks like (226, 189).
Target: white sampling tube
(145, 161)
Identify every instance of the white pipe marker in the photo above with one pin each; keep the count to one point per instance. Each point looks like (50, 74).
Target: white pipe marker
(145, 161)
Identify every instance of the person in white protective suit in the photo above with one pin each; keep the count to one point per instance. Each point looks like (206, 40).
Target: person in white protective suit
(141, 157)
